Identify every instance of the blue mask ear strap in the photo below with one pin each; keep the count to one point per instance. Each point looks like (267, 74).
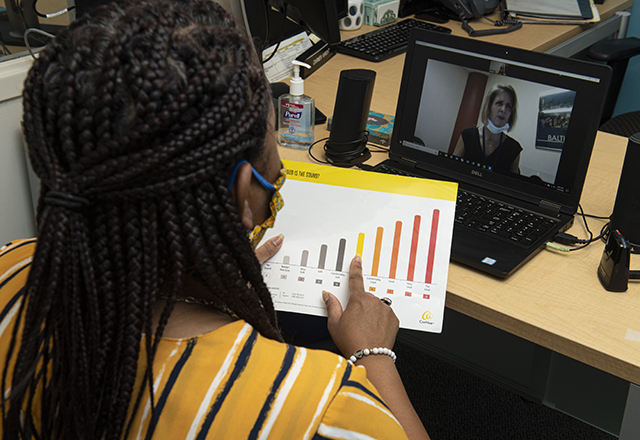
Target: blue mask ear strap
(265, 184)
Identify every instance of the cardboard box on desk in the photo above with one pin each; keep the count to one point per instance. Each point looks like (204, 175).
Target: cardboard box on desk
(379, 125)
(380, 12)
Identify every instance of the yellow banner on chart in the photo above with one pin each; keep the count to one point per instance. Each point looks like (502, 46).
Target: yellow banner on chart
(358, 179)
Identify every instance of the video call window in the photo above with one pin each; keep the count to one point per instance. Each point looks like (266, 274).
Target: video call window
(538, 117)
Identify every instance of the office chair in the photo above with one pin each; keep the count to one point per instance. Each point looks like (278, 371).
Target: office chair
(616, 53)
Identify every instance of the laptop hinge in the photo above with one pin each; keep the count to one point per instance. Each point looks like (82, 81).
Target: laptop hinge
(549, 208)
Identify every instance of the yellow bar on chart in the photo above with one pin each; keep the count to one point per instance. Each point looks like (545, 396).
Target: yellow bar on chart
(360, 247)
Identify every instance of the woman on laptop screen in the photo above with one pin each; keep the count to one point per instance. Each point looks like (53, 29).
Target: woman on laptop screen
(490, 145)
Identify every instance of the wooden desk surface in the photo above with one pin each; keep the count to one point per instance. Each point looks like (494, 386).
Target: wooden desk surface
(556, 299)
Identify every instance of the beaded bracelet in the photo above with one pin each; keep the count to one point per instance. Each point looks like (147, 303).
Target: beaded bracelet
(366, 352)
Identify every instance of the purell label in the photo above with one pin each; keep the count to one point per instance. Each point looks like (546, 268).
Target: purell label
(292, 115)
(293, 111)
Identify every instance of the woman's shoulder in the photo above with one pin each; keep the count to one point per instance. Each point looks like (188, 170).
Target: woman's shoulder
(15, 262)
(472, 130)
(17, 249)
(512, 143)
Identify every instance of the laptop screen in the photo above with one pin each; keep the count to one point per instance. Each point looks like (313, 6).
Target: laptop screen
(509, 120)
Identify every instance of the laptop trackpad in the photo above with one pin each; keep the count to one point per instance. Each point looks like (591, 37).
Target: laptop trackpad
(486, 253)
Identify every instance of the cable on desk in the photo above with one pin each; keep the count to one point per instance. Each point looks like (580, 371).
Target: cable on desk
(5, 49)
(284, 21)
(315, 158)
(562, 238)
(378, 148)
(53, 14)
(345, 158)
(37, 31)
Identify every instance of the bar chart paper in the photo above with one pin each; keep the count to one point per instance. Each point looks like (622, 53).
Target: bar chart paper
(400, 226)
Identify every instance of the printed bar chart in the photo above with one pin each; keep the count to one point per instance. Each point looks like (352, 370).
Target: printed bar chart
(403, 237)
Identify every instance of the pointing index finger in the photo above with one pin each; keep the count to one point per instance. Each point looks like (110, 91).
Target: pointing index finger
(356, 283)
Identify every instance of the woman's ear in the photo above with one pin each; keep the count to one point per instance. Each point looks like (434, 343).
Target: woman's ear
(241, 194)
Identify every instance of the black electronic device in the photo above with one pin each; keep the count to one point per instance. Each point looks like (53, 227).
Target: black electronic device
(385, 42)
(468, 9)
(348, 138)
(433, 15)
(613, 271)
(626, 210)
(270, 21)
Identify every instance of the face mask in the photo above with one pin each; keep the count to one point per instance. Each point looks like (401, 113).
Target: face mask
(495, 130)
(276, 204)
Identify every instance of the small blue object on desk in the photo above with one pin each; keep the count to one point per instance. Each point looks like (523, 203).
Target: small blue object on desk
(379, 126)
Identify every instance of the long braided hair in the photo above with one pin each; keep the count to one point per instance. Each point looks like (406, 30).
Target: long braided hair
(134, 117)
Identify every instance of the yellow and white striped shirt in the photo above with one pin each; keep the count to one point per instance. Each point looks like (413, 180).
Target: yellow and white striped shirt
(233, 383)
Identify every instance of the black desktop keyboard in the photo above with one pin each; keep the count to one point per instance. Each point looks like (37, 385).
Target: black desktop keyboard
(385, 42)
(484, 214)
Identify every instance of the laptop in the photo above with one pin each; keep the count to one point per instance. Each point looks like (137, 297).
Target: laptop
(542, 158)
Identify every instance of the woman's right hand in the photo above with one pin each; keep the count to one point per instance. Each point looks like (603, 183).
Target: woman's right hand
(366, 322)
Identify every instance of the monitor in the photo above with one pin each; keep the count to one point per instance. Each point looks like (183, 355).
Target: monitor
(267, 24)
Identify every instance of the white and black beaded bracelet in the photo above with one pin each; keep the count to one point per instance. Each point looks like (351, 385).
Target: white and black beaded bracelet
(366, 352)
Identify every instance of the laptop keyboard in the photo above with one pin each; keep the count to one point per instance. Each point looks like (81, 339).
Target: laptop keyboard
(507, 221)
(484, 214)
(386, 42)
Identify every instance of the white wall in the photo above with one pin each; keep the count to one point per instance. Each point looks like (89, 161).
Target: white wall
(16, 208)
(435, 128)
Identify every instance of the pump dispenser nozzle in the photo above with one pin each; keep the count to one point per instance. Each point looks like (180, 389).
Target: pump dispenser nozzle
(296, 86)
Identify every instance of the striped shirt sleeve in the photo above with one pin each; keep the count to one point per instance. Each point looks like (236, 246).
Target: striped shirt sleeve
(358, 412)
(15, 263)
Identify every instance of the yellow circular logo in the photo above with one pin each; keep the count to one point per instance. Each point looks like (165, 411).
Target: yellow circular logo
(427, 315)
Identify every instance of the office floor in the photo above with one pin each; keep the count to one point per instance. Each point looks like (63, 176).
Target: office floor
(456, 405)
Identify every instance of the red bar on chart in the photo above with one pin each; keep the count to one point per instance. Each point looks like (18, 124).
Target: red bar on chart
(414, 247)
(396, 248)
(376, 252)
(432, 245)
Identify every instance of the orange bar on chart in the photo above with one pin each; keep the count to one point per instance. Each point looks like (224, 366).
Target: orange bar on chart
(414, 247)
(376, 253)
(432, 245)
(396, 248)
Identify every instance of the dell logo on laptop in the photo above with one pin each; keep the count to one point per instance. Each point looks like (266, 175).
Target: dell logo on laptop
(476, 173)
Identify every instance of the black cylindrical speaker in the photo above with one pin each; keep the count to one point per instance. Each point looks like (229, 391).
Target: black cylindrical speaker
(351, 111)
(626, 211)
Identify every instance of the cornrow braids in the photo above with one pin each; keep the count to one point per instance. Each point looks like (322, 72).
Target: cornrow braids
(139, 110)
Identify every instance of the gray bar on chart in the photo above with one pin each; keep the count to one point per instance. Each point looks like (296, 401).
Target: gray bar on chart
(305, 258)
(323, 256)
(285, 259)
(341, 249)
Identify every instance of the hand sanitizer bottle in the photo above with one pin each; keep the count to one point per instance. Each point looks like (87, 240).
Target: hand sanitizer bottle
(296, 113)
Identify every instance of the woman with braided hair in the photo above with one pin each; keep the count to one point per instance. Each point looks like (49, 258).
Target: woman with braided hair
(140, 310)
